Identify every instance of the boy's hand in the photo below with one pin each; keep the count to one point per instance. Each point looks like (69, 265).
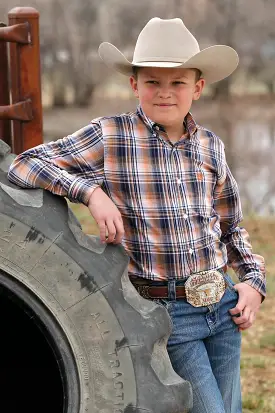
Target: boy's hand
(248, 304)
(107, 217)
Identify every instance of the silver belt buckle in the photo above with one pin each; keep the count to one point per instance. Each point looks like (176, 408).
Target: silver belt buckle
(205, 288)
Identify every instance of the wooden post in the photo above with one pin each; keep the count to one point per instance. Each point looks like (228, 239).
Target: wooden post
(5, 126)
(26, 80)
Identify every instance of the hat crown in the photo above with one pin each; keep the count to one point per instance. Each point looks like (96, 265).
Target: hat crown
(165, 41)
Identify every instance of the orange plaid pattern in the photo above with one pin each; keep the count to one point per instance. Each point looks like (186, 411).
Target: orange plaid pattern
(179, 202)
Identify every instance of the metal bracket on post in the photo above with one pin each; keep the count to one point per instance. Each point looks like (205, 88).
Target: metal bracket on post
(19, 111)
(18, 33)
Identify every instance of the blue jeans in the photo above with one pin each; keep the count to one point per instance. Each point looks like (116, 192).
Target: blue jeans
(204, 349)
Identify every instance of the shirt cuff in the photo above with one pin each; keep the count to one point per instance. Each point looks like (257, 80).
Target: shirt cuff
(257, 281)
(80, 190)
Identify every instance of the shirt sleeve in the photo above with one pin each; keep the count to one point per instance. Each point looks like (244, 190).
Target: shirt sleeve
(69, 167)
(249, 267)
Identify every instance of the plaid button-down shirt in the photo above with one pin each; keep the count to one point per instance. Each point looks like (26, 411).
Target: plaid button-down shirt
(179, 202)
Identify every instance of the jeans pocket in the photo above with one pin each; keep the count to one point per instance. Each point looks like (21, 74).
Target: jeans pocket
(230, 284)
(162, 302)
(167, 305)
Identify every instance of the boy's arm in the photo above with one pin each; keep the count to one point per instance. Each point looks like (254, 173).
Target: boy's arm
(71, 167)
(249, 267)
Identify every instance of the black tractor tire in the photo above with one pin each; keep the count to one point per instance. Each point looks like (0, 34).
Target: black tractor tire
(108, 342)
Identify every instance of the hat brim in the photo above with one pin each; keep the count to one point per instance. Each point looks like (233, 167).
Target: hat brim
(215, 62)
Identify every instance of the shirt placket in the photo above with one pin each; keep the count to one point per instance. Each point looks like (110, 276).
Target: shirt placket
(183, 232)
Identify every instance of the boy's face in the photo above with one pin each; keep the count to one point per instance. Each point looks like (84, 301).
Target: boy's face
(166, 94)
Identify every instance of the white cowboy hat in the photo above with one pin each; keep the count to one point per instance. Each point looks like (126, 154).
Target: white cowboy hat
(168, 43)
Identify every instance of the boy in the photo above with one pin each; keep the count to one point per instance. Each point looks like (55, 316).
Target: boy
(159, 183)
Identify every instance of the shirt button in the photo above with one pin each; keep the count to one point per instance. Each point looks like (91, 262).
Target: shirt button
(179, 181)
(190, 251)
(185, 216)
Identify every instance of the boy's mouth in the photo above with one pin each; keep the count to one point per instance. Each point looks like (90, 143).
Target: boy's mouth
(165, 104)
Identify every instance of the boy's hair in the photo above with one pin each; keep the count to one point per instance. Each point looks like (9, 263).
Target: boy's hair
(198, 73)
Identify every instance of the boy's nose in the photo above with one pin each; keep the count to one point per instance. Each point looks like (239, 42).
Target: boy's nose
(164, 93)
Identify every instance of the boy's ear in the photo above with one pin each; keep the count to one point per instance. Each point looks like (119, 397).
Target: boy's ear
(198, 89)
(133, 83)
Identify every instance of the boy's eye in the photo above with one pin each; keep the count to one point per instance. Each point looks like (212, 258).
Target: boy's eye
(156, 82)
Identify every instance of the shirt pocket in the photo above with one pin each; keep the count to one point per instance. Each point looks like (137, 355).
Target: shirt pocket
(197, 191)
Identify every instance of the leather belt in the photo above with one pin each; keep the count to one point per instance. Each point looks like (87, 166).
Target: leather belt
(147, 291)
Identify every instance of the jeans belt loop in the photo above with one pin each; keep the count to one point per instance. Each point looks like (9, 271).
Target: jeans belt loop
(172, 294)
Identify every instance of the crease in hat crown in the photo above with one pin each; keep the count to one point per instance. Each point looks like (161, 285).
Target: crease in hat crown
(167, 43)
(171, 33)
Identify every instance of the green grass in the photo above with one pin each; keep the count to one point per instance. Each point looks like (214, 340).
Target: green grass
(268, 341)
(82, 213)
(254, 362)
(253, 403)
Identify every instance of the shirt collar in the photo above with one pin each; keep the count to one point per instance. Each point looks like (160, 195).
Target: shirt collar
(189, 121)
